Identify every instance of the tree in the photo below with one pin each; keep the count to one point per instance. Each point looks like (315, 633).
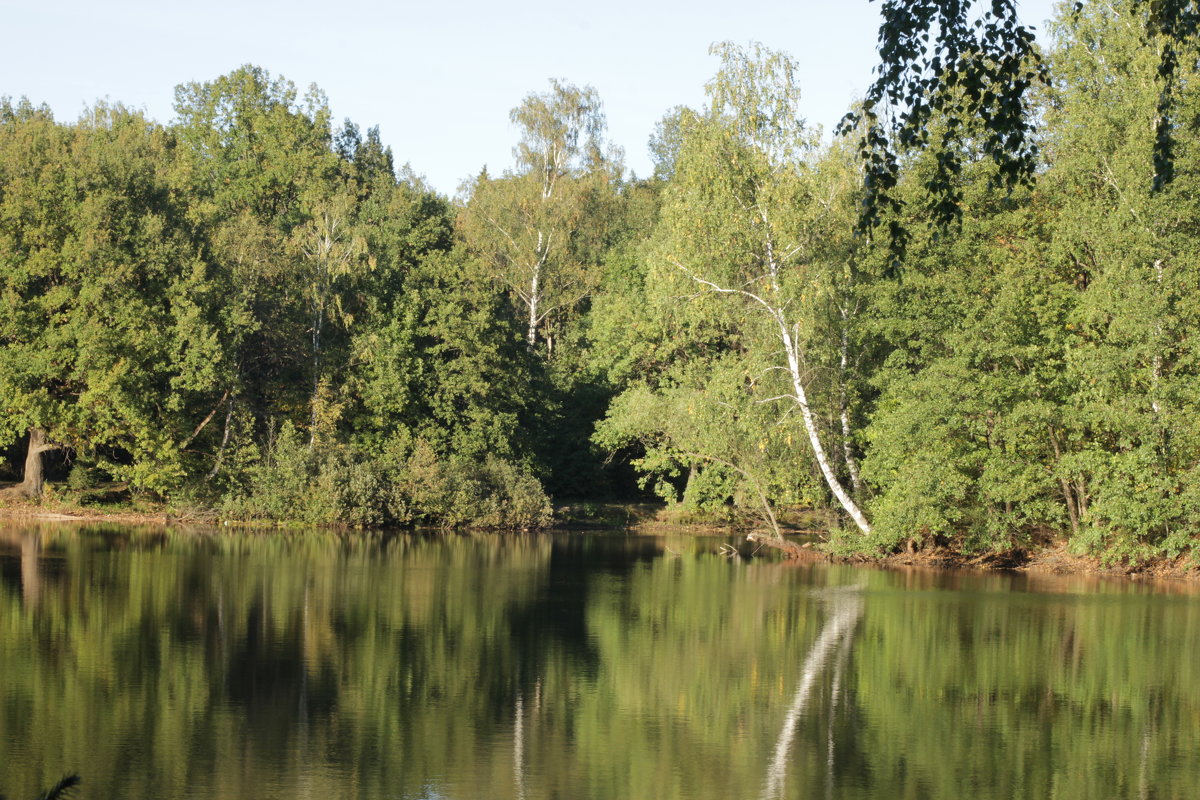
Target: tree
(971, 71)
(536, 225)
(334, 257)
(936, 61)
(1040, 370)
(743, 220)
(96, 273)
(1130, 453)
(258, 166)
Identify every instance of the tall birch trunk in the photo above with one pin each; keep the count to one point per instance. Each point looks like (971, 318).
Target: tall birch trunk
(810, 426)
(535, 288)
(531, 335)
(843, 406)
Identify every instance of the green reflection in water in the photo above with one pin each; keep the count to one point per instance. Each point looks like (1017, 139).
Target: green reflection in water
(165, 664)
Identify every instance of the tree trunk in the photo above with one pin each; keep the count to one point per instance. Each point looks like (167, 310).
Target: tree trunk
(779, 543)
(844, 410)
(810, 425)
(534, 297)
(1068, 493)
(224, 440)
(33, 483)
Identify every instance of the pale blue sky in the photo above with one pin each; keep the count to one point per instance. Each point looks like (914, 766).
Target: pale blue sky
(438, 79)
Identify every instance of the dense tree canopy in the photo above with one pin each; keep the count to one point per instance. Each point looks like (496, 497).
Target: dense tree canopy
(251, 310)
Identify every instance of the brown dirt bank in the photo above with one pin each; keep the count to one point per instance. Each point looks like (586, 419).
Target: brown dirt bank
(39, 514)
(1051, 558)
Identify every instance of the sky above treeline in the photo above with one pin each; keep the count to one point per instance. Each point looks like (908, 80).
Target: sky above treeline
(439, 78)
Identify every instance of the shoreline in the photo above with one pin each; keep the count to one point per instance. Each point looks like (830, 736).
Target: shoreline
(1050, 558)
(33, 513)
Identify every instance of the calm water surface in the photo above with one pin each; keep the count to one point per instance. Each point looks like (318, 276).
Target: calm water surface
(168, 665)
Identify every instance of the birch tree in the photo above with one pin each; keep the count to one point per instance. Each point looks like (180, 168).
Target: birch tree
(334, 258)
(743, 218)
(537, 225)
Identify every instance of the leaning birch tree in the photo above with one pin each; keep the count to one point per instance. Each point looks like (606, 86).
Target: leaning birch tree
(745, 220)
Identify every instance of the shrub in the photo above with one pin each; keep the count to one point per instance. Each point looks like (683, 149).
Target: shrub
(488, 493)
(335, 484)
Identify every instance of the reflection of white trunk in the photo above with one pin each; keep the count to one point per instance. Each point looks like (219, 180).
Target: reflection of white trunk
(839, 628)
(835, 693)
(519, 746)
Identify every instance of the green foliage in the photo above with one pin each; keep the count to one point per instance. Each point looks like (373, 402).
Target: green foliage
(946, 61)
(295, 482)
(337, 486)
(711, 441)
(248, 307)
(491, 493)
(83, 477)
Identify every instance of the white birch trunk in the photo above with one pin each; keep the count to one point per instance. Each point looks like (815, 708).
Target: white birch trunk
(814, 439)
(534, 297)
(799, 393)
(843, 409)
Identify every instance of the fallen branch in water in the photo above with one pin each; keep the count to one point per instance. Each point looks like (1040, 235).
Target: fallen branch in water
(792, 549)
(61, 789)
(58, 791)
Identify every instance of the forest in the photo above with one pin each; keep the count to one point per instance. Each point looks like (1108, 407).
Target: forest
(980, 338)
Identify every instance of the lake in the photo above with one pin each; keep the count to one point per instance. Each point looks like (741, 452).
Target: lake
(160, 664)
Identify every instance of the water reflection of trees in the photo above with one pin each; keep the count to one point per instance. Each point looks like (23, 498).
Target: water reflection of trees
(540, 666)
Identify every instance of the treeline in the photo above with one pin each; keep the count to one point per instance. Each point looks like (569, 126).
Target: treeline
(251, 308)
